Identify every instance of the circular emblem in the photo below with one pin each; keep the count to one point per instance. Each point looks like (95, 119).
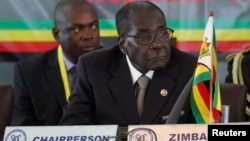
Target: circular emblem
(16, 135)
(164, 92)
(142, 134)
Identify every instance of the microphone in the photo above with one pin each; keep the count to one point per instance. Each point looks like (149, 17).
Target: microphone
(122, 134)
(176, 111)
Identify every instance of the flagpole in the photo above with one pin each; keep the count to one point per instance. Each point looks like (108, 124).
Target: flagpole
(211, 14)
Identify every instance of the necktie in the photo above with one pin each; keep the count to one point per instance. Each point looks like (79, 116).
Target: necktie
(73, 77)
(141, 90)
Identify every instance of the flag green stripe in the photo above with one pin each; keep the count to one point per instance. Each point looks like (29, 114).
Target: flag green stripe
(196, 111)
(110, 23)
(202, 77)
(217, 102)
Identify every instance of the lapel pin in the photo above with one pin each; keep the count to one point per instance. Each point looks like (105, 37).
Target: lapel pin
(164, 92)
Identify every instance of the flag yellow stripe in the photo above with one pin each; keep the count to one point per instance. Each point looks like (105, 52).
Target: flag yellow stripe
(201, 104)
(26, 35)
(39, 35)
(222, 35)
(182, 35)
(201, 69)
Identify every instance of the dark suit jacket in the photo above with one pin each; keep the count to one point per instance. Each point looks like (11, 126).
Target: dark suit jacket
(104, 93)
(39, 92)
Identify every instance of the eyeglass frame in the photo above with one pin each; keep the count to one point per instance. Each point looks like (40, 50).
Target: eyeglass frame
(153, 36)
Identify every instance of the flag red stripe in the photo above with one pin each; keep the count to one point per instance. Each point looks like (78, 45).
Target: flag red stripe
(221, 46)
(216, 113)
(214, 75)
(32, 47)
(204, 93)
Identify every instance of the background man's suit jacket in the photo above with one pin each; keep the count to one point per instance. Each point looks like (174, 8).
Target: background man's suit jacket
(39, 92)
(104, 93)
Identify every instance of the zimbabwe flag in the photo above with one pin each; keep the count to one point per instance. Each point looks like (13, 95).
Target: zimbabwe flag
(205, 98)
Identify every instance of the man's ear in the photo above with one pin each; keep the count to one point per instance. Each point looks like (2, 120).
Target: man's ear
(122, 44)
(55, 32)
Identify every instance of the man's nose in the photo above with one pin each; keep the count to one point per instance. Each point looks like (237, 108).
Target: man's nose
(86, 34)
(156, 43)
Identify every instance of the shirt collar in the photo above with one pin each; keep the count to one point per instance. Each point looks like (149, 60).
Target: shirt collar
(135, 74)
(68, 63)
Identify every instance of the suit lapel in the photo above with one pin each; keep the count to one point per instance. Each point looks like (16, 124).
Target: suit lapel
(155, 101)
(55, 80)
(123, 90)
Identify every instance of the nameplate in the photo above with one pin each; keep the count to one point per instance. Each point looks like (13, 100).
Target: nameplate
(60, 133)
(169, 132)
(189, 132)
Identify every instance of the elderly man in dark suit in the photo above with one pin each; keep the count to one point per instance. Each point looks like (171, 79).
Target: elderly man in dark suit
(107, 79)
(42, 82)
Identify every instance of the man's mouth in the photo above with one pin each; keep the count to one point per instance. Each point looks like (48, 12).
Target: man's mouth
(159, 58)
(88, 48)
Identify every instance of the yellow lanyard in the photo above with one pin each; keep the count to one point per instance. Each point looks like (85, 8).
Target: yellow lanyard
(63, 72)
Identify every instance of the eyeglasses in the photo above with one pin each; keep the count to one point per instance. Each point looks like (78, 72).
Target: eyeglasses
(147, 38)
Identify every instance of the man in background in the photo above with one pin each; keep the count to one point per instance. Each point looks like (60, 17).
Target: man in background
(109, 79)
(238, 72)
(42, 83)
